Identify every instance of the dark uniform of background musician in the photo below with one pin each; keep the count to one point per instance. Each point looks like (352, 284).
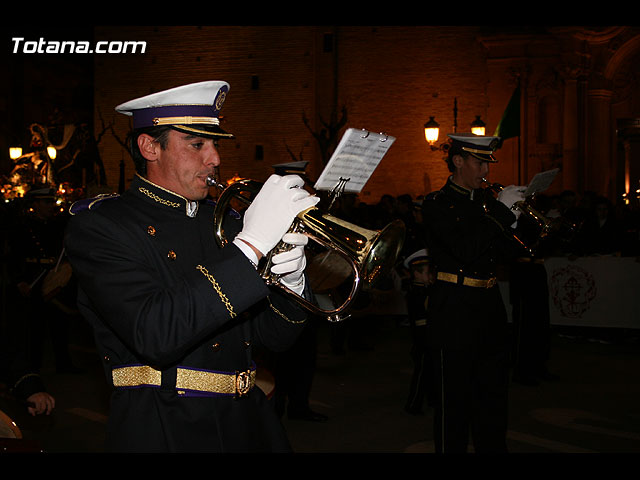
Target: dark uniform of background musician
(41, 294)
(467, 233)
(176, 318)
(417, 298)
(31, 245)
(530, 314)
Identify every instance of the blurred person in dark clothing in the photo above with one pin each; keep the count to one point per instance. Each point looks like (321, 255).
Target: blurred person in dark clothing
(417, 297)
(385, 211)
(22, 382)
(410, 213)
(531, 317)
(601, 232)
(294, 371)
(404, 209)
(42, 287)
(25, 385)
(529, 296)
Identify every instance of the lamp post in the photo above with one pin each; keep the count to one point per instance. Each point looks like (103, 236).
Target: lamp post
(432, 128)
(478, 127)
(15, 152)
(52, 152)
(431, 131)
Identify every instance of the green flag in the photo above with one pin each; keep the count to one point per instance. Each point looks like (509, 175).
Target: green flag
(509, 125)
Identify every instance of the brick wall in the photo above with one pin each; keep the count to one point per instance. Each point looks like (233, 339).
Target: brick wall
(269, 116)
(393, 78)
(390, 79)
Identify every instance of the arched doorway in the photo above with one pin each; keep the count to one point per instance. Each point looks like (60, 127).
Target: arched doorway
(623, 72)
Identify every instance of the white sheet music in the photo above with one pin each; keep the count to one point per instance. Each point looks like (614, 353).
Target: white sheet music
(541, 181)
(357, 156)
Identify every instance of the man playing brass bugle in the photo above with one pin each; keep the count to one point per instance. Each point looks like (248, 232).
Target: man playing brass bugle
(176, 318)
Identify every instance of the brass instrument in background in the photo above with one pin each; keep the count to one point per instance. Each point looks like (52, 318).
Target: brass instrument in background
(370, 253)
(544, 226)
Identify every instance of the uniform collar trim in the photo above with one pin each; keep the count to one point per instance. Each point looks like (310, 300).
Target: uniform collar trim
(457, 188)
(163, 196)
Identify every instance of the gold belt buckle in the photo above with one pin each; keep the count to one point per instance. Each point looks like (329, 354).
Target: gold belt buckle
(491, 282)
(243, 383)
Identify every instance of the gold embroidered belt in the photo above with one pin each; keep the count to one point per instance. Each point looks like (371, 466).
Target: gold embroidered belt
(45, 260)
(530, 260)
(467, 281)
(189, 381)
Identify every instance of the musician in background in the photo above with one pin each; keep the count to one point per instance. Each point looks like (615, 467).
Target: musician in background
(175, 317)
(417, 298)
(468, 232)
(601, 231)
(23, 383)
(41, 292)
(294, 369)
(17, 373)
(529, 298)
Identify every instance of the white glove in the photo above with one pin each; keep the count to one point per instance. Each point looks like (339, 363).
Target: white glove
(291, 264)
(510, 195)
(273, 210)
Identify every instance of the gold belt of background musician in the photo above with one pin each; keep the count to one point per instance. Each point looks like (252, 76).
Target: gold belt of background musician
(467, 281)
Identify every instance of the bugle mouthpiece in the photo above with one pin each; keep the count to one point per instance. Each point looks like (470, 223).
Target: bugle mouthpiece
(211, 180)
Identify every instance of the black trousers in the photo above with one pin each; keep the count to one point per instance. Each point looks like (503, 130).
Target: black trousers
(470, 398)
(294, 371)
(531, 319)
(470, 351)
(421, 384)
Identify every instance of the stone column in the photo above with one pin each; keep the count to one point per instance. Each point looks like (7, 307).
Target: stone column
(598, 161)
(570, 171)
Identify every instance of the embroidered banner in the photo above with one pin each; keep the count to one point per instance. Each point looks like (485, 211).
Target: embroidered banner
(594, 291)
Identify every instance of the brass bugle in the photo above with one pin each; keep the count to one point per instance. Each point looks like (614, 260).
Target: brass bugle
(524, 206)
(370, 253)
(547, 226)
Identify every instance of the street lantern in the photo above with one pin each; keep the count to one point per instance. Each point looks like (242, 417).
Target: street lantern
(15, 152)
(431, 131)
(478, 126)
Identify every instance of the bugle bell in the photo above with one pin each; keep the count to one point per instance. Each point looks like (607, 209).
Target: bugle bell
(370, 253)
(544, 226)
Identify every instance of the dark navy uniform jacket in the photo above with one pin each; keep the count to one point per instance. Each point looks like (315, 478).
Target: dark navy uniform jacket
(417, 301)
(158, 291)
(467, 235)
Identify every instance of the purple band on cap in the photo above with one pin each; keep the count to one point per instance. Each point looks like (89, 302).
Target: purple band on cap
(144, 117)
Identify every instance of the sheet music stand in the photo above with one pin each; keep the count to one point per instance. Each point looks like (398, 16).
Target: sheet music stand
(353, 162)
